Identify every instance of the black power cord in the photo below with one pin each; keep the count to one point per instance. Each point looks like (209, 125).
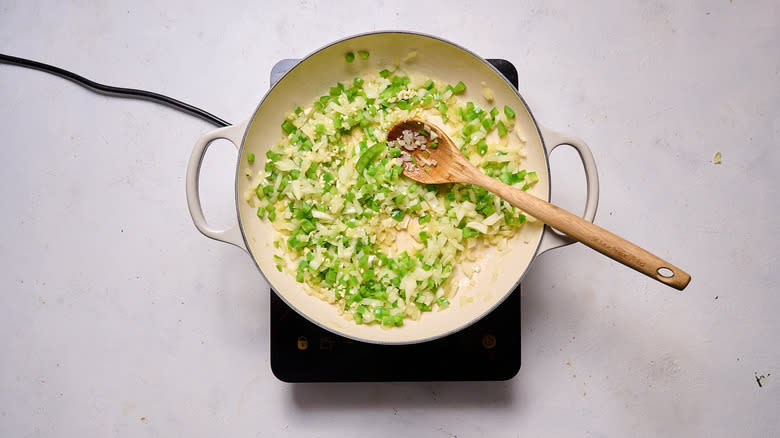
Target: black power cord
(114, 91)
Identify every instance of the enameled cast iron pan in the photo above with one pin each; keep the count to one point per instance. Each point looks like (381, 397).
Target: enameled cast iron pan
(313, 77)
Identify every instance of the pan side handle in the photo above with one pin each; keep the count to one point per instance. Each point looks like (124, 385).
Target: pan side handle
(231, 234)
(552, 139)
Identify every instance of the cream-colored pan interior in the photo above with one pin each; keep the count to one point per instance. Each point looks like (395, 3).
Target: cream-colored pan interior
(498, 273)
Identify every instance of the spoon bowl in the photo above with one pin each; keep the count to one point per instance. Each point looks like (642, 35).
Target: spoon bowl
(451, 165)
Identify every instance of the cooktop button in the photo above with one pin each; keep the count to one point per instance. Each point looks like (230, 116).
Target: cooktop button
(488, 341)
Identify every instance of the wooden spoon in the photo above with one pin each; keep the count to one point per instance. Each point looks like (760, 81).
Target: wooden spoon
(451, 166)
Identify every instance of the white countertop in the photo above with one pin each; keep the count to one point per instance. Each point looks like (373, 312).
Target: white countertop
(120, 319)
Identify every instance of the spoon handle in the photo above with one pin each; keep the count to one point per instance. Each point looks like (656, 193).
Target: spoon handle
(603, 241)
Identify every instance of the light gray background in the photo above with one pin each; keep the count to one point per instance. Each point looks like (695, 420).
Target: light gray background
(120, 319)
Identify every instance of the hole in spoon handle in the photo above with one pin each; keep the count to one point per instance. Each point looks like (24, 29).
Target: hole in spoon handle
(672, 276)
(665, 272)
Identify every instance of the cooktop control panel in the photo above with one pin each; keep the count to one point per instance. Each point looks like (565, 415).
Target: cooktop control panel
(304, 352)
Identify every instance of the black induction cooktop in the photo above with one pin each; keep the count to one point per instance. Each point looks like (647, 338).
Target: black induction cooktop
(487, 350)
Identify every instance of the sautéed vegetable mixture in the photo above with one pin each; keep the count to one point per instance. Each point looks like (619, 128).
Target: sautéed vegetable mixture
(351, 227)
